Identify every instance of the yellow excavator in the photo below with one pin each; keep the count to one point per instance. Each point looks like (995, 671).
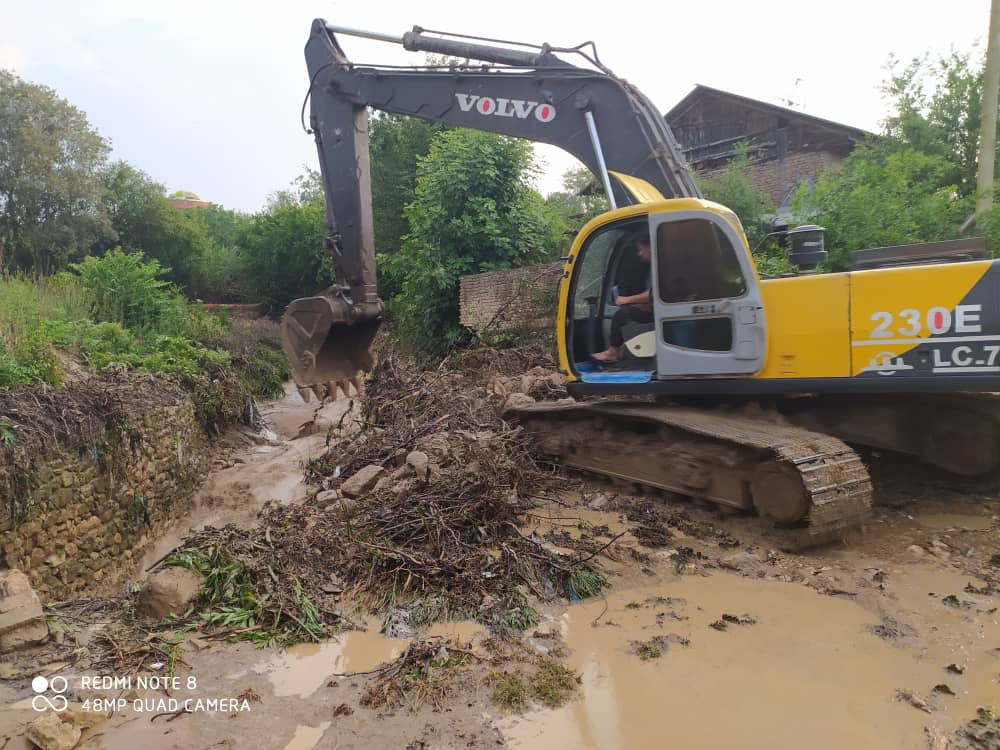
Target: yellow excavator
(740, 390)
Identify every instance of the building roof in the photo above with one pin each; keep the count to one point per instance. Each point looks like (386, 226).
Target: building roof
(700, 92)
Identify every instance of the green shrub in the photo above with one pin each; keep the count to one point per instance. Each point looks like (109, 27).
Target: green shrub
(179, 355)
(126, 288)
(98, 344)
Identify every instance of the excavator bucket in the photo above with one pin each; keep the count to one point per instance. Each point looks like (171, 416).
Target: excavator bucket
(327, 345)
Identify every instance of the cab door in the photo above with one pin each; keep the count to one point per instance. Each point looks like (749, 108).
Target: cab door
(706, 297)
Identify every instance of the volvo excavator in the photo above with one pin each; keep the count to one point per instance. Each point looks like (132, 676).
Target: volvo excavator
(740, 390)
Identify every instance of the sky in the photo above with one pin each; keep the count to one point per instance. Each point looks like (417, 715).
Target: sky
(204, 95)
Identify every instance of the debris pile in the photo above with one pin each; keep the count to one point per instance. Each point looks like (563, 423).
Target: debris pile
(417, 515)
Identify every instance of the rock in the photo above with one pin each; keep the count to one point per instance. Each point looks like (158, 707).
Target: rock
(419, 462)
(85, 719)
(328, 496)
(915, 550)
(737, 560)
(49, 732)
(21, 623)
(362, 481)
(598, 502)
(517, 401)
(169, 592)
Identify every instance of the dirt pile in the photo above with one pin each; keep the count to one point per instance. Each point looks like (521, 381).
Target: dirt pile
(416, 514)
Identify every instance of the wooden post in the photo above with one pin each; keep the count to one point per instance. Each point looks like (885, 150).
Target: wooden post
(988, 133)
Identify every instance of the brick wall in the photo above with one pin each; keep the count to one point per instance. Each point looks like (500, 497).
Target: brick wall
(520, 299)
(92, 513)
(777, 177)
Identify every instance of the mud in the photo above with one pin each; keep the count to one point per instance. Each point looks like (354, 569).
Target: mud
(302, 669)
(808, 672)
(842, 646)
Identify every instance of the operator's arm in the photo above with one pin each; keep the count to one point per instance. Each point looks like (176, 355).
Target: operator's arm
(634, 299)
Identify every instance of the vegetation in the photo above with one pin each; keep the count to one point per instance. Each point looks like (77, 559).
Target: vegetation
(509, 690)
(580, 200)
(917, 182)
(229, 600)
(118, 310)
(50, 183)
(285, 253)
(473, 210)
(552, 683)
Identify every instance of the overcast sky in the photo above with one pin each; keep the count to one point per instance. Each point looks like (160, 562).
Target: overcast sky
(204, 95)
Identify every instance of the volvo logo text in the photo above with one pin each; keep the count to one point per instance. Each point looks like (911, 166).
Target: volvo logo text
(499, 107)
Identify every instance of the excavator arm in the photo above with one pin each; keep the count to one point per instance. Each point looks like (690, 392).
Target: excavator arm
(529, 93)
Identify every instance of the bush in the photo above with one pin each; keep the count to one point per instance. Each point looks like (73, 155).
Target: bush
(98, 344)
(473, 210)
(126, 288)
(182, 357)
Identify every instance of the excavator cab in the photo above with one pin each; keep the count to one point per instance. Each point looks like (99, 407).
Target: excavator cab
(708, 312)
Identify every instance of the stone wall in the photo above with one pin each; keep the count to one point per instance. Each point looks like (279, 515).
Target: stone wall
(92, 510)
(520, 299)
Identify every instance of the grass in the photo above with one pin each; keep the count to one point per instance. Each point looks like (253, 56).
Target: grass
(224, 364)
(651, 649)
(509, 691)
(583, 583)
(552, 683)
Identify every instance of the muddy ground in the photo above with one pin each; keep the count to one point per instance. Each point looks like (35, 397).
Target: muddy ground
(706, 636)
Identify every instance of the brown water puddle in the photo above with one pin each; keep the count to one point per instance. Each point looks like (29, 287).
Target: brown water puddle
(305, 737)
(809, 673)
(953, 522)
(302, 669)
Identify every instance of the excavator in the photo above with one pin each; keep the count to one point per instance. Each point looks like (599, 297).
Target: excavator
(743, 391)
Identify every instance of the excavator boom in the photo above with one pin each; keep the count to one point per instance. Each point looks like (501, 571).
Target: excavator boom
(532, 94)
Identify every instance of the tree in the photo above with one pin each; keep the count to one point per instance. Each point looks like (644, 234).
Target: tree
(143, 219)
(284, 252)
(876, 198)
(50, 185)
(221, 274)
(937, 109)
(581, 199)
(396, 145)
(473, 210)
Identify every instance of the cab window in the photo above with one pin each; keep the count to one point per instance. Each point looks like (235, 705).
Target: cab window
(696, 261)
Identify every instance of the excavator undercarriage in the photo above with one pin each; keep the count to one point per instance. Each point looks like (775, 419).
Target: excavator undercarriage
(811, 486)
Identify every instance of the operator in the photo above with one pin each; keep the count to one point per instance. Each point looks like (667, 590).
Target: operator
(637, 306)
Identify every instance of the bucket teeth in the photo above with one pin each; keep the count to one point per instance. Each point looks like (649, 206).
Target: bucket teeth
(305, 393)
(331, 390)
(345, 386)
(320, 390)
(357, 383)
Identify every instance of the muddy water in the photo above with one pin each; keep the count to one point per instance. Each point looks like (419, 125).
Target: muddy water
(304, 668)
(809, 673)
(305, 737)
(263, 472)
(953, 522)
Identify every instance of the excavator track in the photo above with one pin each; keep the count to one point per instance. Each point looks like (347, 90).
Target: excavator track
(958, 432)
(813, 487)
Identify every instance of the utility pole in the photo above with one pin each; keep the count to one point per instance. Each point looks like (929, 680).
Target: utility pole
(988, 133)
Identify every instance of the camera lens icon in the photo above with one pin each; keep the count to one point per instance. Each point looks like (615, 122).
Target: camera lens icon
(42, 685)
